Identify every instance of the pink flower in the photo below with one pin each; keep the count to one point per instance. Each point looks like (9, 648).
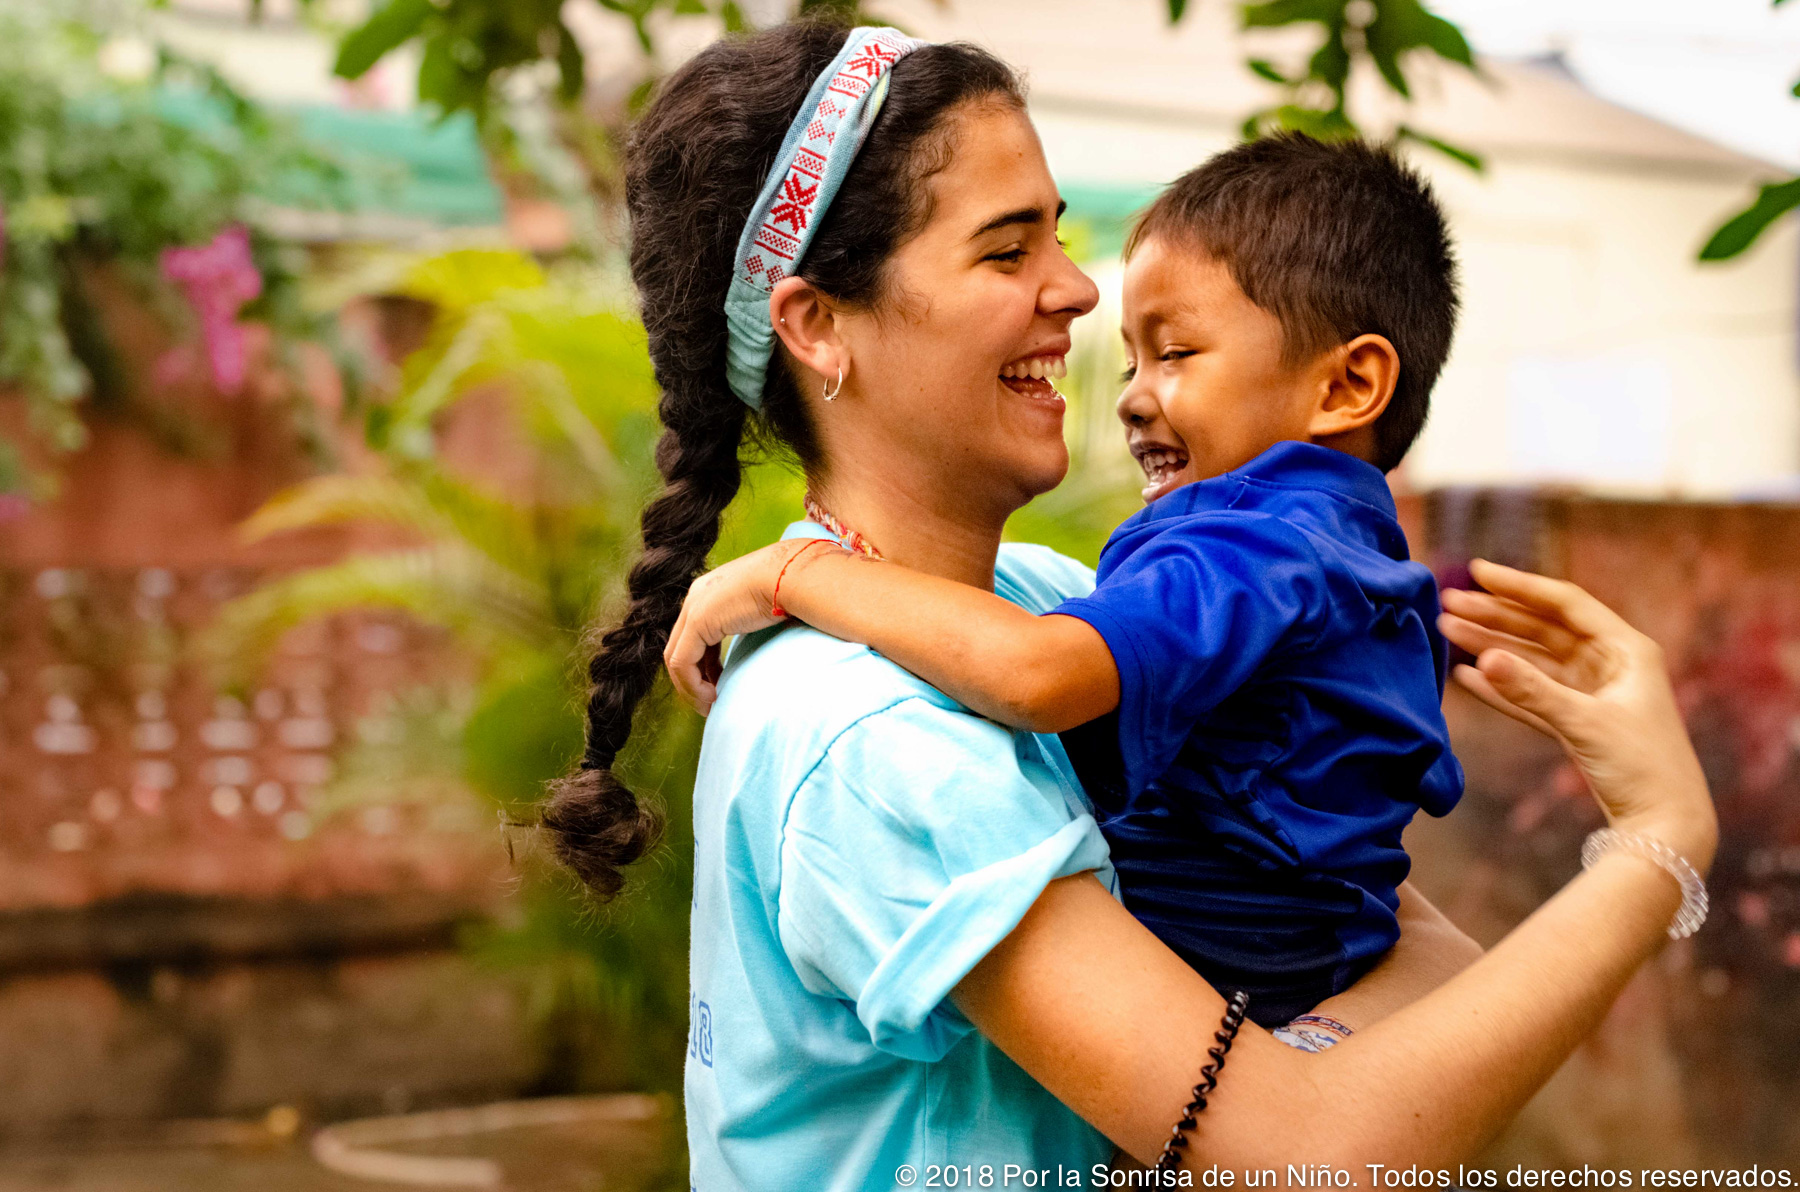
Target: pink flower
(13, 507)
(218, 279)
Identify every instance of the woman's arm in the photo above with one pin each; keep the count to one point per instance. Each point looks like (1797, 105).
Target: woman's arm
(1430, 951)
(1043, 673)
(1085, 999)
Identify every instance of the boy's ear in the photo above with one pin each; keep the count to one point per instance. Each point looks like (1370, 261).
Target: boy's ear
(1359, 384)
(806, 324)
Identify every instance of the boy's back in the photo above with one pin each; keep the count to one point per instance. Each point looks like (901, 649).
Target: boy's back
(1278, 725)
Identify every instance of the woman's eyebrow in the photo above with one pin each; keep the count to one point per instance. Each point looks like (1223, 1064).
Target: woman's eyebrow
(1030, 216)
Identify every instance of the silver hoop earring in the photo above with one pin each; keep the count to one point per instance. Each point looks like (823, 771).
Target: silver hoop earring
(831, 392)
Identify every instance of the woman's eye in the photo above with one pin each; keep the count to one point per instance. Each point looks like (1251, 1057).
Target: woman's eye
(1129, 375)
(1175, 354)
(1010, 256)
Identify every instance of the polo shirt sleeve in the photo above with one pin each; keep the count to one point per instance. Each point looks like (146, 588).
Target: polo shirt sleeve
(914, 846)
(1189, 614)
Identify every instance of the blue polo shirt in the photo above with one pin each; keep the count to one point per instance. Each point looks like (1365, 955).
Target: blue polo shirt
(1279, 722)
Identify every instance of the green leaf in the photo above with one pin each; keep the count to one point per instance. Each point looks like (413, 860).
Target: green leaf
(1266, 70)
(1741, 230)
(570, 64)
(1275, 13)
(1331, 63)
(1177, 9)
(386, 30)
(1319, 123)
(733, 16)
(1467, 157)
(1448, 41)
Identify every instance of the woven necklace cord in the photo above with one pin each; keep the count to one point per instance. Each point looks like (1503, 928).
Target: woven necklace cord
(819, 515)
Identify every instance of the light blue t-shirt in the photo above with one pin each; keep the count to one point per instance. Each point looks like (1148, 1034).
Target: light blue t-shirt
(862, 841)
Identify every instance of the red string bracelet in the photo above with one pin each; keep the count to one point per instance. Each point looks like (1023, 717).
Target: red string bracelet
(775, 609)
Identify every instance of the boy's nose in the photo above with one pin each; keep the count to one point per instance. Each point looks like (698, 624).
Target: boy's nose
(1136, 406)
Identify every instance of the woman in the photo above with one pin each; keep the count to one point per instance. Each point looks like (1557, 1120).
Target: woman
(905, 951)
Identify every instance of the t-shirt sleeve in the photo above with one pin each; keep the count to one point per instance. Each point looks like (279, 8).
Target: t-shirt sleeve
(1190, 614)
(910, 850)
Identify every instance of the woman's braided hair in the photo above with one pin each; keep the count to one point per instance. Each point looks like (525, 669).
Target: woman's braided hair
(694, 166)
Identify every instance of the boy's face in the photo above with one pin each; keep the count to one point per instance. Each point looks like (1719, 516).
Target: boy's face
(1207, 389)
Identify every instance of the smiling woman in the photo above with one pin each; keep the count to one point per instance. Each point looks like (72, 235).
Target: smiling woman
(906, 951)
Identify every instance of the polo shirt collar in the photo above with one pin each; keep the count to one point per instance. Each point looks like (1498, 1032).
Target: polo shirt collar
(1288, 465)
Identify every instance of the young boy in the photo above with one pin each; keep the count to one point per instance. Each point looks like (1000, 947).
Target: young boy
(1257, 676)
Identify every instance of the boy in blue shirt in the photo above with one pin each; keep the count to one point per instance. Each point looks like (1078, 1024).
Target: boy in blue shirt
(1252, 692)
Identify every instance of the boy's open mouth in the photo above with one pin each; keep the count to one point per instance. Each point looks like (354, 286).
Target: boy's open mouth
(1031, 376)
(1162, 466)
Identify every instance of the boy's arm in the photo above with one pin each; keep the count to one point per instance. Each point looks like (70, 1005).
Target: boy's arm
(1043, 673)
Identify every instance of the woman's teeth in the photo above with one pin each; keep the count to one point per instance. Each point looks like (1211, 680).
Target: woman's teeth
(1160, 465)
(1037, 368)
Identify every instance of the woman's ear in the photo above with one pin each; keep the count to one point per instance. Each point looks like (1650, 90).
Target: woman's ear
(1358, 387)
(807, 326)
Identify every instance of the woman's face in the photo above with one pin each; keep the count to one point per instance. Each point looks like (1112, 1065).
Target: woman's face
(948, 376)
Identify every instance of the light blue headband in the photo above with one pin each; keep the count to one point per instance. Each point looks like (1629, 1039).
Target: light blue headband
(821, 144)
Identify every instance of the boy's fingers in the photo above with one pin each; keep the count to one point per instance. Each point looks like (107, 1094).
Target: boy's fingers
(681, 658)
(1511, 617)
(1567, 602)
(1477, 685)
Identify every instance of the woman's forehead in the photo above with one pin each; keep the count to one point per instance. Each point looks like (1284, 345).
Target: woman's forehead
(996, 177)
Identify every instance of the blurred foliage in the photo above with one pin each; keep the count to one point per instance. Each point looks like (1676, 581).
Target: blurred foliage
(1773, 200)
(470, 48)
(1385, 34)
(101, 161)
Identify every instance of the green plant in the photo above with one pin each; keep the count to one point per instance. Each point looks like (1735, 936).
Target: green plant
(515, 574)
(98, 169)
(1773, 200)
(1383, 33)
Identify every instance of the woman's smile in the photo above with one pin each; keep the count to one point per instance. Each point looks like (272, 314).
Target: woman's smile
(1030, 377)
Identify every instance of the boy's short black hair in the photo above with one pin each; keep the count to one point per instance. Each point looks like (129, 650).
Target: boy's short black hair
(1336, 239)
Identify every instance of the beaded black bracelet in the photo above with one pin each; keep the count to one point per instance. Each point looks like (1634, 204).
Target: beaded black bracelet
(1209, 1079)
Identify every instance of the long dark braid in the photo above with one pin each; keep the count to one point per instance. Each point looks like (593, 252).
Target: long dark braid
(694, 166)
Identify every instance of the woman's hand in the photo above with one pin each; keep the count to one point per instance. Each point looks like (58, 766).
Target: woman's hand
(737, 597)
(1552, 656)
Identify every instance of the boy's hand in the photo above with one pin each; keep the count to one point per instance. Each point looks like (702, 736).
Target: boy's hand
(731, 599)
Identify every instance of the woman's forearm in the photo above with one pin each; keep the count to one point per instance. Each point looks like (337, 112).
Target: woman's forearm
(1108, 1019)
(1430, 951)
(1041, 673)
(1454, 1069)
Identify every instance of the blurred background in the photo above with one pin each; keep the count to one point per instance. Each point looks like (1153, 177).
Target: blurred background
(324, 424)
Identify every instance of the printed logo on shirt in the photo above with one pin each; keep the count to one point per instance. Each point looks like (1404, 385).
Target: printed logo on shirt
(700, 1041)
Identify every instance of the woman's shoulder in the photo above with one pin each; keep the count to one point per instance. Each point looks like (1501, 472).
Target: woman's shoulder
(1037, 578)
(802, 685)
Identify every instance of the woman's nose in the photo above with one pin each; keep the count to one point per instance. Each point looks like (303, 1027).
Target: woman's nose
(1069, 291)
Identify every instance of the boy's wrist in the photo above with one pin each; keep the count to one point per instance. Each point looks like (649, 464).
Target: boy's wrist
(789, 566)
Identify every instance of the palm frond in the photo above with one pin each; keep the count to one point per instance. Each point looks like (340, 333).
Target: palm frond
(447, 584)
